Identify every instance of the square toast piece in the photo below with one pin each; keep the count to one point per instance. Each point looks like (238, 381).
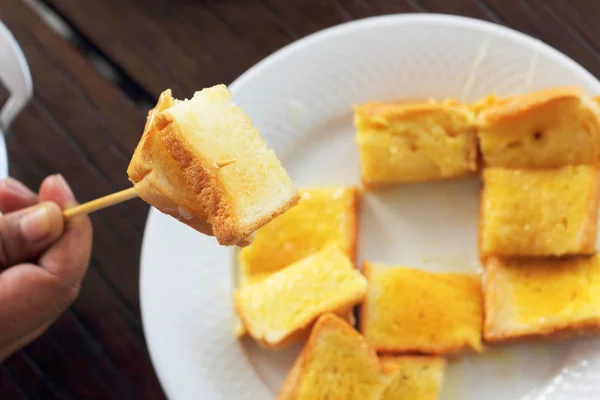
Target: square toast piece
(278, 310)
(335, 363)
(544, 129)
(157, 178)
(541, 298)
(324, 216)
(238, 181)
(337, 359)
(413, 377)
(539, 212)
(413, 311)
(400, 143)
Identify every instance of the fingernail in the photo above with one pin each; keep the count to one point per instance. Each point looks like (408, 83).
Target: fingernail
(69, 198)
(17, 187)
(35, 224)
(63, 183)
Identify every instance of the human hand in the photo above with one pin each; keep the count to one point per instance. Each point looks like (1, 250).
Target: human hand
(43, 259)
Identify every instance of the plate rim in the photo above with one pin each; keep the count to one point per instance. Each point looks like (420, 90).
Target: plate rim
(238, 84)
(456, 20)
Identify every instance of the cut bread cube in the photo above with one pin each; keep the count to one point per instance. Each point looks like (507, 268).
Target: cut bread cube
(413, 377)
(400, 143)
(541, 298)
(337, 360)
(302, 335)
(157, 178)
(544, 129)
(335, 363)
(413, 311)
(278, 310)
(539, 212)
(324, 216)
(239, 184)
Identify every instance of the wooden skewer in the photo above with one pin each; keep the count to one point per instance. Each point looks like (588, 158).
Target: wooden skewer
(100, 203)
(116, 198)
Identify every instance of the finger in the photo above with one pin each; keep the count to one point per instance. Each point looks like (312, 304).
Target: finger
(30, 297)
(69, 257)
(26, 233)
(14, 196)
(56, 189)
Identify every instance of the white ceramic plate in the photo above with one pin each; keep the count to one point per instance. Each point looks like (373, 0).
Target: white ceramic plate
(301, 99)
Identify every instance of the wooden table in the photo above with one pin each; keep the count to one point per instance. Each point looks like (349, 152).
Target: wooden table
(98, 65)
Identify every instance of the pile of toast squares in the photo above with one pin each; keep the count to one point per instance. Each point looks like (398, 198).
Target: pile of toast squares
(537, 156)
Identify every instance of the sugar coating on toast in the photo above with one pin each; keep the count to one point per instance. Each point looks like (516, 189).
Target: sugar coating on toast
(157, 178)
(413, 311)
(413, 377)
(324, 216)
(544, 297)
(278, 309)
(401, 143)
(539, 212)
(237, 198)
(335, 362)
(544, 129)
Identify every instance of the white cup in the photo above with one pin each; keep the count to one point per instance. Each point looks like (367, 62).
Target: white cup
(16, 78)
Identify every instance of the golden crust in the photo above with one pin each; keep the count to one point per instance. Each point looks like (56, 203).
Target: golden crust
(301, 368)
(421, 341)
(297, 335)
(590, 229)
(390, 363)
(398, 112)
(480, 223)
(157, 178)
(541, 299)
(543, 129)
(515, 107)
(202, 179)
(291, 380)
(205, 178)
(168, 174)
(515, 221)
(300, 333)
(324, 282)
(554, 334)
(325, 215)
(415, 142)
(391, 377)
(557, 333)
(413, 377)
(317, 215)
(355, 224)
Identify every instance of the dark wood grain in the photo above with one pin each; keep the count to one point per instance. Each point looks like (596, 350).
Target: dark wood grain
(84, 124)
(84, 127)
(544, 20)
(10, 386)
(469, 8)
(238, 33)
(179, 44)
(75, 133)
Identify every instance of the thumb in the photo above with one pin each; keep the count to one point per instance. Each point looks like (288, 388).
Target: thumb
(26, 233)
